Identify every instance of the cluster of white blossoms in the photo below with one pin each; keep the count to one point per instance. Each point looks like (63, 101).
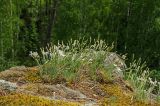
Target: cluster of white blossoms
(33, 54)
(154, 83)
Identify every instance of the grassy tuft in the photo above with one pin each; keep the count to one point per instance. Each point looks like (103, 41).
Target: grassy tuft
(139, 77)
(65, 60)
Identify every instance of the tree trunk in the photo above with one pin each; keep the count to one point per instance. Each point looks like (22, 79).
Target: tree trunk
(11, 30)
(127, 23)
(1, 38)
(51, 21)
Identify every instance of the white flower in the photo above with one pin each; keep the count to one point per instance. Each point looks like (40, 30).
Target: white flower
(118, 69)
(152, 82)
(90, 60)
(81, 56)
(141, 79)
(34, 54)
(73, 57)
(30, 53)
(61, 53)
(124, 57)
(42, 51)
(115, 65)
(83, 59)
(144, 73)
(67, 47)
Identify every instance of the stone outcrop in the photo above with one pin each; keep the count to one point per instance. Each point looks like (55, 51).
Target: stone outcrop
(116, 64)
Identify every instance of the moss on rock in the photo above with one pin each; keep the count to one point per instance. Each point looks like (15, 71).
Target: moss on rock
(28, 100)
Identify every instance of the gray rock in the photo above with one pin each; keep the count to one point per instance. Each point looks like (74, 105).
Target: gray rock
(116, 63)
(113, 58)
(70, 92)
(90, 103)
(6, 85)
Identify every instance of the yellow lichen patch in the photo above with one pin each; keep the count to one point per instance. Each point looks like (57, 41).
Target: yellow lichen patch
(32, 75)
(28, 100)
(119, 97)
(30, 87)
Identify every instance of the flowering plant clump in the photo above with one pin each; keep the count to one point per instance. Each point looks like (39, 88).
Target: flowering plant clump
(139, 76)
(64, 60)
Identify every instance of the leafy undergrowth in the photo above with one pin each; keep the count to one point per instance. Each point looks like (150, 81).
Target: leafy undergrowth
(28, 100)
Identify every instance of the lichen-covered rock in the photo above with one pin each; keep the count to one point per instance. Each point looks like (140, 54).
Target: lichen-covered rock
(21, 74)
(58, 91)
(113, 58)
(116, 64)
(30, 100)
(6, 85)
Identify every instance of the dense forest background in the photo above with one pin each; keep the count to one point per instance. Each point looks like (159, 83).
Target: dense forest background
(132, 25)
